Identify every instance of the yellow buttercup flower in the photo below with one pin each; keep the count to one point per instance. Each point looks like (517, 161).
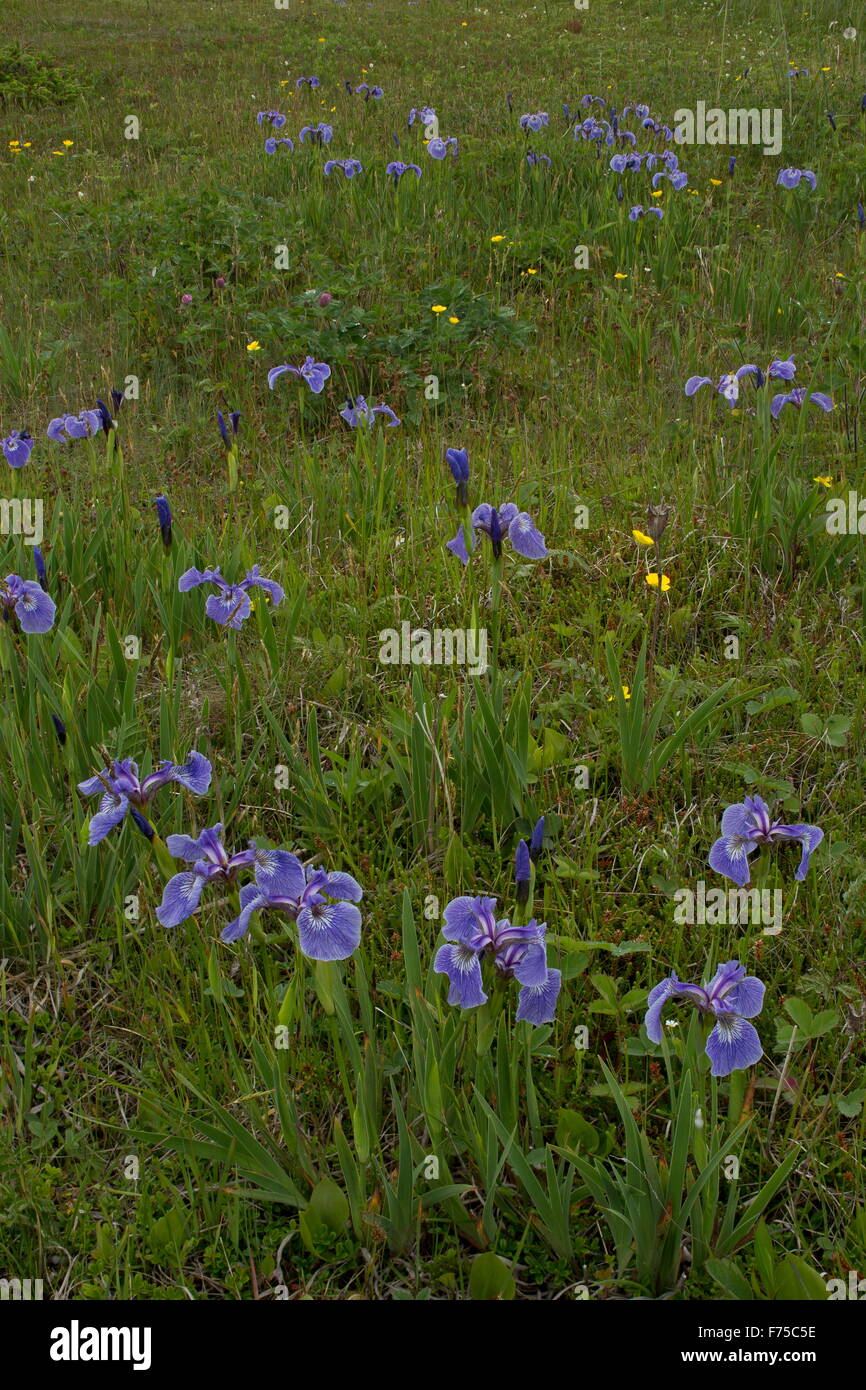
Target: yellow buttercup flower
(254, 346)
(438, 308)
(453, 319)
(626, 694)
(643, 539)
(657, 193)
(825, 481)
(13, 143)
(716, 182)
(653, 581)
(530, 270)
(618, 275)
(67, 143)
(500, 237)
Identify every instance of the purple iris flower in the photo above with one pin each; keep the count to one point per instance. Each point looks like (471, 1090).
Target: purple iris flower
(731, 998)
(350, 167)
(746, 826)
(17, 447)
(424, 114)
(28, 601)
(122, 790)
(106, 419)
(66, 427)
(533, 121)
(732, 164)
(163, 512)
(320, 134)
(439, 148)
(798, 72)
(231, 606)
(798, 397)
(369, 91)
(323, 905)
(677, 177)
(234, 421)
(272, 142)
(397, 169)
(473, 933)
(729, 384)
(315, 374)
(861, 215)
(534, 159)
(210, 861)
(639, 211)
(524, 536)
(790, 178)
(39, 566)
(310, 81)
(536, 844)
(275, 118)
(458, 462)
(356, 411)
(628, 163)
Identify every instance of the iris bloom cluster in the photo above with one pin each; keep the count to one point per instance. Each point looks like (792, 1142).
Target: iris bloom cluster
(356, 412)
(396, 169)
(33, 608)
(349, 167)
(122, 790)
(17, 448)
(323, 905)
(728, 384)
(231, 606)
(315, 374)
(746, 826)
(474, 936)
(496, 524)
(730, 999)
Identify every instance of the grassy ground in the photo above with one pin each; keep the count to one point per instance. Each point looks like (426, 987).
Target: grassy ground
(161, 1135)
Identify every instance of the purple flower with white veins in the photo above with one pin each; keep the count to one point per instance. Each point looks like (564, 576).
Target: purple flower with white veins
(356, 411)
(323, 905)
(791, 178)
(731, 998)
(639, 211)
(315, 374)
(533, 121)
(17, 448)
(798, 397)
(782, 369)
(320, 134)
(438, 148)
(397, 169)
(473, 933)
(210, 860)
(746, 826)
(276, 119)
(122, 789)
(424, 114)
(350, 167)
(533, 159)
(231, 606)
(677, 177)
(525, 537)
(627, 163)
(310, 81)
(28, 601)
(65, 427)
(272, 142)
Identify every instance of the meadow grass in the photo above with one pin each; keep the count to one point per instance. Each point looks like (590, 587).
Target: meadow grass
(183, 1117)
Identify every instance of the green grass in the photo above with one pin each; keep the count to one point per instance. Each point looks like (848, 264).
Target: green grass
(121, 1041)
